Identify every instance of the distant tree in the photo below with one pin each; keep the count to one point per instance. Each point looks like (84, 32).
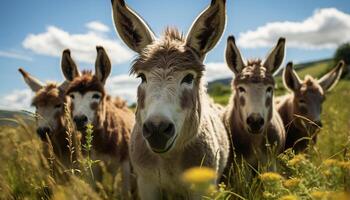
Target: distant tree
(343, 53)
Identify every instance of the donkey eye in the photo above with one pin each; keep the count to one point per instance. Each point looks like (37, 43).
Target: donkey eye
(269, 90)
(143, 77)
(188, 79)
(302, 101)
(96, 96)
(58, 105)
(71, 96)
(241, 89)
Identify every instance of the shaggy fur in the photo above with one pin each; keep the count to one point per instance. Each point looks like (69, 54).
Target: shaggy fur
(301, 109)
(246, 145)
(113, 124)
(112, 121)
(50, 96)
(252, 83)
(205, 135)
(202, 138)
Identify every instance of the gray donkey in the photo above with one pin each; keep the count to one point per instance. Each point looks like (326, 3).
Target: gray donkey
(177, 126)
(250, 118)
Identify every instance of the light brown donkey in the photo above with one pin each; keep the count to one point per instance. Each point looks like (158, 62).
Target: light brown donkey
(49, 103)
(301, 109)
(111, 124)
(177, 126)
(250, 118)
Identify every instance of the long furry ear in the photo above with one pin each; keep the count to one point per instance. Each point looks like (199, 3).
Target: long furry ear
(102, 65)
(329, 80)
(33, 83)
(68, 66)
(207, 29)
(132, 29)
(291, 79)
(233, 57)
(276, 56)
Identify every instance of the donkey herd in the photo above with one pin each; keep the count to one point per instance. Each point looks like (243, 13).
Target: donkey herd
(176, 125)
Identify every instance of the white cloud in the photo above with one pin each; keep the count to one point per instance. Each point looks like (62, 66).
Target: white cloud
(326, 28)
(124, 86)
(216, 70)
(17, 100)
(83, 46)
(14, 55)
(97, 26)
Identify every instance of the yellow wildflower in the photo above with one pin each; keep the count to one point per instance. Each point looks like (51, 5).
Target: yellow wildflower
(341, 196)
(330, 162)
(289, 197)
(297, 160)
(320, 194)
(270, 176)
(344, 164)
(198, 175)
(293, 182)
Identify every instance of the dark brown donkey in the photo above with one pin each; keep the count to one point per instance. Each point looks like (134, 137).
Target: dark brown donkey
(177, 126)
(301, 109)
(250, 118)
(49, 103)
(111, 124)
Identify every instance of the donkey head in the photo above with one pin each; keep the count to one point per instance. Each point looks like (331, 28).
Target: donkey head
(253, 85)
(86, 91)
(309, 94)
(170, 69)
(49, 103)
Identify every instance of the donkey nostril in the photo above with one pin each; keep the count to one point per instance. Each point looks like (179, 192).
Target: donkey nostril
(146, 131)
(261, 121)
(84, 119)
(42, 131)
(250, 120)
(169, 130)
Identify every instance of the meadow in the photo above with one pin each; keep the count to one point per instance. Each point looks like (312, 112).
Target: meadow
(323, 173)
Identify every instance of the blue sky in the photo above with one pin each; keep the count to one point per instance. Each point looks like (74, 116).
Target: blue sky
(20, 19)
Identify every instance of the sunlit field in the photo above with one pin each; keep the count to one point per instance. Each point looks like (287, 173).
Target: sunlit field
(29, 170)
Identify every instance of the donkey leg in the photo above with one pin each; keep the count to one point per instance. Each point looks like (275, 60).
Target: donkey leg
(147, 190)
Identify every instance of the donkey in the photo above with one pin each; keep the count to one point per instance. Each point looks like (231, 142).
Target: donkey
(177, 125)
(250, 118)
(305, 100)
(49, 102)
(112, 125)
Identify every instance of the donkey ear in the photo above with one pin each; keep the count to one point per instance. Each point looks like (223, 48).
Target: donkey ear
(276, 56)
(132, 29)
(329, 80)
(290, 78)
(102, 65)
(233, 57)
(68, 66)
(34, 84)
(207, 28)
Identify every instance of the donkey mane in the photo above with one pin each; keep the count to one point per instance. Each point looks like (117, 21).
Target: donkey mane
(85, 83)
(50, 94)
(170, 51)
(310, 84)
(254, 72)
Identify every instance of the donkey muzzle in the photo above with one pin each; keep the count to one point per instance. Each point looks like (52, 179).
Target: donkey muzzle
(255, 122)
(42, 131)
(80, 122)
(159, 135)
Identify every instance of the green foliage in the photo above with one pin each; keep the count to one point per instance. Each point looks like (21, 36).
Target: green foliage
(343, 53)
